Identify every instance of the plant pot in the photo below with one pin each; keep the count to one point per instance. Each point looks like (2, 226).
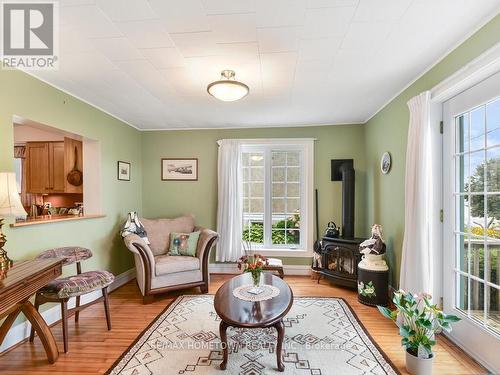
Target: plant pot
(419, 366)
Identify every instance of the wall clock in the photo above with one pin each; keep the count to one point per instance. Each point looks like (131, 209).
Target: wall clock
(385, 162)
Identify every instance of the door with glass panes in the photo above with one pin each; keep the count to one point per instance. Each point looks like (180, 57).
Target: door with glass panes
(471, 183)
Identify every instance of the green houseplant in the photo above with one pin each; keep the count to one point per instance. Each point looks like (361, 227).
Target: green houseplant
(419, 321)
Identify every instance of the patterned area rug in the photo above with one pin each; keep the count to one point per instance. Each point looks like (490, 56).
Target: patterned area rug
(322, 336)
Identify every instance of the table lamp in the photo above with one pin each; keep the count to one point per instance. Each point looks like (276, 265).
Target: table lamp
(10, 205)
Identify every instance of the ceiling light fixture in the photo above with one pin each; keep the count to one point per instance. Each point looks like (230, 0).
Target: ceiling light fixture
(227, 88)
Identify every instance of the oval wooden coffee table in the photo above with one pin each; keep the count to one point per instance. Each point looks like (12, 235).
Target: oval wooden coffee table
(235, 312)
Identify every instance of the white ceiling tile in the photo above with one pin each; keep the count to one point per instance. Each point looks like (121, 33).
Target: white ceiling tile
(245, 50)
(380, 10)
(327, 22)
(278, 39)
(315, 4)
(148, 76)
(132, 10)
(181, 16)
(278, 71)
(164, 58)
(72, 40)
(229, 6)
(90, 21)
(184, 82)
(366, 35)
(319, 48)
(195, 44)
(291, 13)
(284, 61)
(146, 34)
(79, 63)
(67, 3)
(228, 28)
(311, 74)
(117, 48)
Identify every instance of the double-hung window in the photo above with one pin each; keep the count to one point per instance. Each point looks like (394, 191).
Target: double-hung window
(277, 195)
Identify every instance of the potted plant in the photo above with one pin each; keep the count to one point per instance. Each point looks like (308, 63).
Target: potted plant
(253, 263)
(419, 321)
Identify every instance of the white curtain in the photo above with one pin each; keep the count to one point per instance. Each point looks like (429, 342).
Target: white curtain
(418, 246)
(230, 201)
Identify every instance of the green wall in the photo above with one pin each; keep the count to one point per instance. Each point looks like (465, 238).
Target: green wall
(388, 131)
(172, 198)
(25, 96)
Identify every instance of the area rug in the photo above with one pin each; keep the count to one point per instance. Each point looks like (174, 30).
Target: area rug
(322, 336)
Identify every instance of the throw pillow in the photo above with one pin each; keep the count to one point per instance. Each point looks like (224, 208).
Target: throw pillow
(184, 243)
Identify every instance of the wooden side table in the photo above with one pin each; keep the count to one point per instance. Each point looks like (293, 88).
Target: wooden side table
(22, 281)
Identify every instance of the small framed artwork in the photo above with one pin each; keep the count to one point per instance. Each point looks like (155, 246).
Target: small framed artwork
(180, 169)
(123, 171)
(385, 162)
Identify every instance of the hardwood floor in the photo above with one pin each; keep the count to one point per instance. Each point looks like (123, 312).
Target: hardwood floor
(93, 349)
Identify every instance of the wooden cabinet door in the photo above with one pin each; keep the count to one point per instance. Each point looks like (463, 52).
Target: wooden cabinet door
(56, 163)
(37, 167)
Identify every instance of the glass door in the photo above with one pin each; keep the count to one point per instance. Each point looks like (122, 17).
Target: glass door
(472, 218)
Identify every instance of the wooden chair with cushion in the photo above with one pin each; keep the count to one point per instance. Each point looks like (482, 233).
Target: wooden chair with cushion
(64, 288)
(159, 272)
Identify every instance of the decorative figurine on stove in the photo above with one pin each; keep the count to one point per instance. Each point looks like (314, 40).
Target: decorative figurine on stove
(373, 273)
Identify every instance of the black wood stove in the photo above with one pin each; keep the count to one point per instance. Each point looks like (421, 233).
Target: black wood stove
(339, 260)
(340, 256)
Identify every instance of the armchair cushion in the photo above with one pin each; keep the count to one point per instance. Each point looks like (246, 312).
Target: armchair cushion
(159, 230)
(165, 264)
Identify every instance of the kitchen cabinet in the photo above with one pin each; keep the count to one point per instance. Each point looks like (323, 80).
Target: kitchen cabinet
(37, 167)
(46, 167)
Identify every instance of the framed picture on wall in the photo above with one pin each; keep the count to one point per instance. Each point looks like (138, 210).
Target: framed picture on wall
(123, 171)
(180, 169)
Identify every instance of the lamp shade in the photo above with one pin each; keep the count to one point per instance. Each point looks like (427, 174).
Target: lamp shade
(227, 88)
(10, 202)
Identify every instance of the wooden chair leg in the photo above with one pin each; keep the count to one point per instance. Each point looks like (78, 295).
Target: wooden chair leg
(106, 307)
(204, 288)
(147, 299)
(64, 320)
(77, 313)
(37, 305)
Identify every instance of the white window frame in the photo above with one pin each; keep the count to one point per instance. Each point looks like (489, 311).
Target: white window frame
(306, 146)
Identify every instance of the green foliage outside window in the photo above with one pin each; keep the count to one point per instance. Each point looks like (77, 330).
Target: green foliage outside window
(493, 185)
(281, 232)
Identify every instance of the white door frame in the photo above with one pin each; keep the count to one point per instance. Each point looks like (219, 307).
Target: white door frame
(472, 74)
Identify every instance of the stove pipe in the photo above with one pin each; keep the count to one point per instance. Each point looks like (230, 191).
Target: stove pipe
(343, 170)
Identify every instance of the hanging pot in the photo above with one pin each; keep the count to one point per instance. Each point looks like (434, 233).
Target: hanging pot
(75, 176)
(419, 366)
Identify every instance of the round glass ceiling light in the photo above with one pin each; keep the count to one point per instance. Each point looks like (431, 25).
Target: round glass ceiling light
(227, 88)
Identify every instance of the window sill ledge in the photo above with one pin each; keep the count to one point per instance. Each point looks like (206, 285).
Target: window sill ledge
(287, 253)
(53, 219)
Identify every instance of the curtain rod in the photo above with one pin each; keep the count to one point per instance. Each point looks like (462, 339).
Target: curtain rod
(270, 140)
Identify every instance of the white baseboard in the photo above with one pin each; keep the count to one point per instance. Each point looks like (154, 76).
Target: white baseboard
(21, 331)
(231, 268)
